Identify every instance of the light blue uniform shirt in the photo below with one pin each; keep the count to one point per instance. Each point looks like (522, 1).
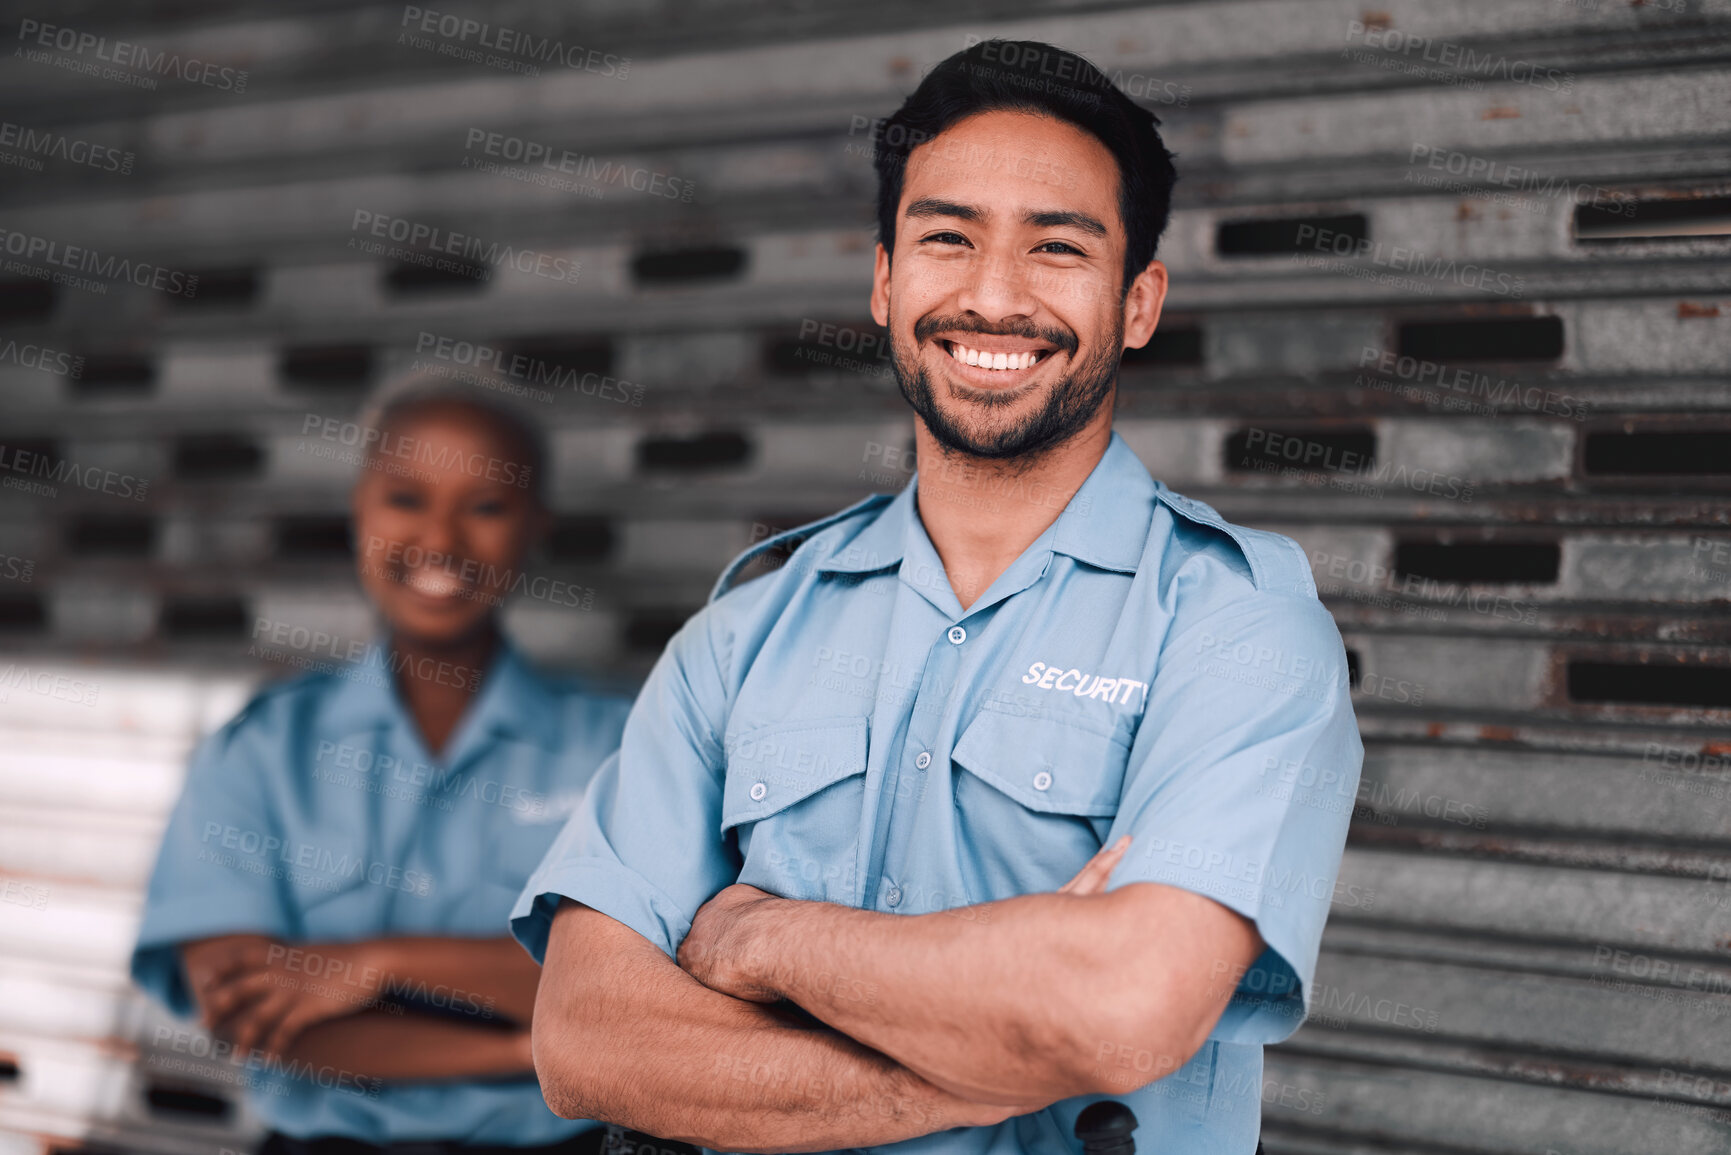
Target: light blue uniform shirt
(317, 814)
(842, 730)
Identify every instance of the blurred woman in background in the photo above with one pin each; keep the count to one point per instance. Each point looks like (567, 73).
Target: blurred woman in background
(333, 887)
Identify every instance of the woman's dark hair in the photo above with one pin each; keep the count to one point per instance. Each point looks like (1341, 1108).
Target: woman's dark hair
(401, 399)
(1028, 76)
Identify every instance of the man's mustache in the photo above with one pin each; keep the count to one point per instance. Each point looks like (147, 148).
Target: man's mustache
(967, 323)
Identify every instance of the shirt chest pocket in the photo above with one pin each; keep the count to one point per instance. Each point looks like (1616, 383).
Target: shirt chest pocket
(793, 795)
(1046, 791)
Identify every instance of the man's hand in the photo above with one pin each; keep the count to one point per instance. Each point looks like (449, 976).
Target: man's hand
(725, 951)
(721, 953)
(247, 995)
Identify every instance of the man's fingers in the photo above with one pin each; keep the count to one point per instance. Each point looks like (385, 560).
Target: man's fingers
(1092, 877)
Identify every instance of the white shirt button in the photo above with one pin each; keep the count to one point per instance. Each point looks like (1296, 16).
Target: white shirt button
(1042, 781)
(758, 790)
(924, 760)
(958, 635)
(893, 897)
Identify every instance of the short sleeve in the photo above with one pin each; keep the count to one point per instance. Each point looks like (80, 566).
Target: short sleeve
(1241, 784)
(645, 847)
(201, 886)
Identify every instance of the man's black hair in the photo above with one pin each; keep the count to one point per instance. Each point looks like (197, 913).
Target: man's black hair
(1028, 76)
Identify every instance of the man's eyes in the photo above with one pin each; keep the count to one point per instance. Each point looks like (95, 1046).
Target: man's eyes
(1053, 248)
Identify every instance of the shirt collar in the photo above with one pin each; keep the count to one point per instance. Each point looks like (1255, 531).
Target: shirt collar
(514, 701)
(1106, 523)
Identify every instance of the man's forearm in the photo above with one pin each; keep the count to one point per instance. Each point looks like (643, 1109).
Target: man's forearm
(624, 1036)
(1007, 1001)
(377, 1044)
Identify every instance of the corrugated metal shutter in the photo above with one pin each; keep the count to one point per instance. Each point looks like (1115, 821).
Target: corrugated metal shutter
(1451, 307)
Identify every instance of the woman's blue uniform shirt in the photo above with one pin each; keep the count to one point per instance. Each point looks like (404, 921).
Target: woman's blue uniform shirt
(318, 815)
(842, 730)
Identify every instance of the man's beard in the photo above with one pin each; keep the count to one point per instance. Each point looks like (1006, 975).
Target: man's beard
(1069, 405)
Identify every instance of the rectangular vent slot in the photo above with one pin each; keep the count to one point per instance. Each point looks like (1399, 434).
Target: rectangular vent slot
(220, 617)
(1703, 453)
(26, 300)
(22, 613)
(1648, 685)
(702, 451)
(313, 538)
(1483, 339)
(408, 279)
(649, 630)
(1176, 346)
(1273, 238)
(217, 457)
(182, 1102)
(1257, 449)
(326, 366)
(114, 375)
(678, 266)
(580, 540)
(222, 289)
(562, 361)
(1480, 562)
(1645, 220)
(111, 536)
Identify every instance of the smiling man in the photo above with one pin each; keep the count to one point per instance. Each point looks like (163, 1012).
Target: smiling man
(983, 805)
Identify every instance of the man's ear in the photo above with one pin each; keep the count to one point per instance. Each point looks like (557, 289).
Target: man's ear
(1142, 305)
(881, 287)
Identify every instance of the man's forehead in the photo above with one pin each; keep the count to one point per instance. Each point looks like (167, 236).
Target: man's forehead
(1008, 165)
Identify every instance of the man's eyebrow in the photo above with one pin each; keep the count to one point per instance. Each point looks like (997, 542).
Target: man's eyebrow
(1059, 219)
(933, 207)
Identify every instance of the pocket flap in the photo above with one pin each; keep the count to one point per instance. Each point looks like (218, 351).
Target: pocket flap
(773, 767)
(1045, 764)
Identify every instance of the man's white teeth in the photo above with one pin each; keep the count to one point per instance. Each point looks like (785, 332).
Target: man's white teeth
(994, 360)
